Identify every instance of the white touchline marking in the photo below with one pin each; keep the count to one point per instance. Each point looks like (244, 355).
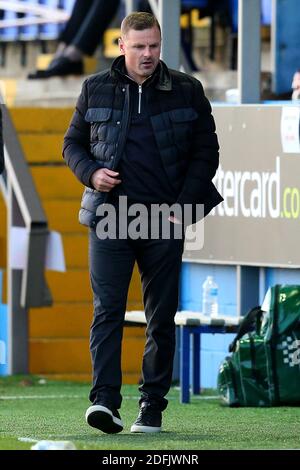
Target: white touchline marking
(38, 397)
(64, 397)
(199, 397)
(27, 439)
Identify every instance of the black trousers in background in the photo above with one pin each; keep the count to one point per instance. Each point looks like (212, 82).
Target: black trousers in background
(88, 21)
(111, 265)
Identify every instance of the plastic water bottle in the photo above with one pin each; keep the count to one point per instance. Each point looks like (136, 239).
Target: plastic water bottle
(53, 445)
(210, 297)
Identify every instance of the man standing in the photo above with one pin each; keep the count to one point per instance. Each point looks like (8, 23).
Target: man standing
(143, 132)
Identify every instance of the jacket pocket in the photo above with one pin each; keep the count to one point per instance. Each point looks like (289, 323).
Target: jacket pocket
(183, 115)
(182, 121)
(98, 114)
(99, 120)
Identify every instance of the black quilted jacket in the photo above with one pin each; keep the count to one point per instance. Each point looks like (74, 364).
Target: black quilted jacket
(182, 123)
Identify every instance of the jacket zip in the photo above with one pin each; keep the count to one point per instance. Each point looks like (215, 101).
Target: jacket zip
(140, 98)
(140, 91)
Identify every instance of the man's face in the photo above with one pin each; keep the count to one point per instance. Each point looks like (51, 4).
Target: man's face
(141, 50)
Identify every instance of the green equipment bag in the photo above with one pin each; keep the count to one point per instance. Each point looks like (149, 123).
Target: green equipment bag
(264, 368)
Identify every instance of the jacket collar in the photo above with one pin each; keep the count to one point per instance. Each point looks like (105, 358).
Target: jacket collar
(163, 83)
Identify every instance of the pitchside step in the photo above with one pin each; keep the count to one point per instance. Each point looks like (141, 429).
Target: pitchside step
(52, 92)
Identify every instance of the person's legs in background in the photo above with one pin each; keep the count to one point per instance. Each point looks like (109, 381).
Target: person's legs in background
(81, 36)
(95, 22)
(79, 12)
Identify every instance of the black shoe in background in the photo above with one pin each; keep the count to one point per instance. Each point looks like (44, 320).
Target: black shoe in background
(106, 419)
(149, 418)
(59, 67)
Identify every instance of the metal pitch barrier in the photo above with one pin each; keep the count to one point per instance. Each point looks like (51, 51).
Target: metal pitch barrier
(27, 287)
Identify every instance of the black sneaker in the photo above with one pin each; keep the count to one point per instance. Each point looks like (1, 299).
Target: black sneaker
(148, 420)
(107, 420)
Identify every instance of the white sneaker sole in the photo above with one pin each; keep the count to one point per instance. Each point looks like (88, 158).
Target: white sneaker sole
(100, 417)
(136, 428)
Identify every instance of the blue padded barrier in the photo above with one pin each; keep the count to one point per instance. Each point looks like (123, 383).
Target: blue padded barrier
(3, 333)
(214, 348)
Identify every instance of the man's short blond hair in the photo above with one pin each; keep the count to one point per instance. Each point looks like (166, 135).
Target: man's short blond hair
(139, 21)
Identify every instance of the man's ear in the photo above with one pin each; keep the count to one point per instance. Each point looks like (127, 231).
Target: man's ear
(121, 45)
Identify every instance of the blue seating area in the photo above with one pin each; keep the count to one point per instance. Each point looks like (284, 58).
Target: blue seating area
(232, 7)
(3, 332)
(51, 30)
(33, 32)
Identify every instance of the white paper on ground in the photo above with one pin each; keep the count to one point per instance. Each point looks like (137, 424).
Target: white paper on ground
(55, 259)
(290, 141)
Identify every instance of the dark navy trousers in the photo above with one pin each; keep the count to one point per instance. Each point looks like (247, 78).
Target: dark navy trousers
(111, 265)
